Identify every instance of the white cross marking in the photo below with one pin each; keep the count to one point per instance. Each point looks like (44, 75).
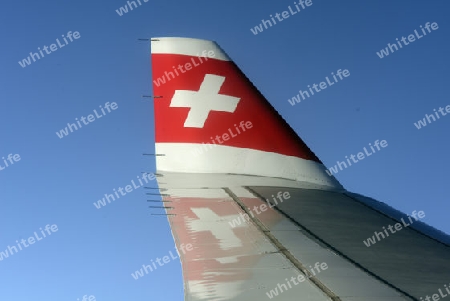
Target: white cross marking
(203, 101)
(220, 229)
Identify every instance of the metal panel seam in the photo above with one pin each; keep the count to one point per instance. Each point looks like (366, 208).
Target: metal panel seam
(394, 219)
(324, 243)
(295, 262)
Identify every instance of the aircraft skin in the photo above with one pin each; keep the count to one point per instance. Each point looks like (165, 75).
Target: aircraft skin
(263, 218)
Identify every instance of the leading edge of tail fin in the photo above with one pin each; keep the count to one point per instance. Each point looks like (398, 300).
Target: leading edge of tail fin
(209, 118)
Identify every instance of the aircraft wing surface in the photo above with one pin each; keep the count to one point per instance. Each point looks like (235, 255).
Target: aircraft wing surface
(254, 214)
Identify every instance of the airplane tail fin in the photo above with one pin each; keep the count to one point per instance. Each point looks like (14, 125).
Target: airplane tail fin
(204, 101)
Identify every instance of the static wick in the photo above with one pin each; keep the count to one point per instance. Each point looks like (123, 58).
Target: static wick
(152, 96)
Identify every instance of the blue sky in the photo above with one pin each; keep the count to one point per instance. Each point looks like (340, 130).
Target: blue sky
(57, 180)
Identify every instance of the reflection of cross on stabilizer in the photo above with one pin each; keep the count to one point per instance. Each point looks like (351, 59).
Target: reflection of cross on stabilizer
(223, 233)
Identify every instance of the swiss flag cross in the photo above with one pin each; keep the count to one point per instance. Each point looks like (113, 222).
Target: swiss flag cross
(203, 101)
(204, 97)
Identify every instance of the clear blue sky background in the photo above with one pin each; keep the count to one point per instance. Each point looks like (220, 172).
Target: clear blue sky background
(56, 182)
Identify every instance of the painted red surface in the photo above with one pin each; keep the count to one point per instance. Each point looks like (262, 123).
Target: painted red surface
(269, 131)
